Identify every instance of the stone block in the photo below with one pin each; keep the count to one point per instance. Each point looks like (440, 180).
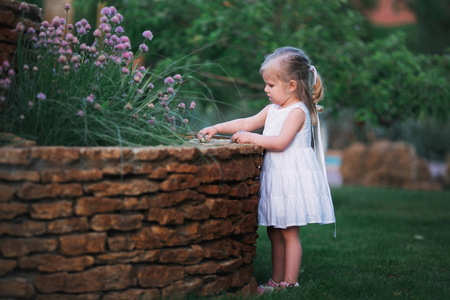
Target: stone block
(121, 243)
(6, 192)
(181, 288)
(121, 222)
(250, 204)
(17, 247)
(158, 173)
(196, 212)
(105, 154)
(104, 278)
(32, 191)
(24, 228)
(229, 265)
(60, 155)
(53, 210)
(214, 189)
(247, 224)
(158, 275)
(14, 156)
(218, 207)
(221, 249)
(179, 182)
(241, 276)
(19, 175)
(68, 225)
(7, 18)
(217, 285)
(88, 206)
(16, 288)
(175, 167)
(185, 256)
(150, 153)
(184, 153)
(117, 169)
(79, 244)
(132, 203)
(141, 294)
(132, 187)
(152, 237)
(55, 263)
(136, 256)
(204, 267)
(165, 216)
(214, 229)
(9, 211)
(240, 190)
(57, 176)
(7, 265)
(172, 198)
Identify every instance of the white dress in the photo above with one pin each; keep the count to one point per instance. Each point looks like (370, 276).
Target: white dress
(294, 188)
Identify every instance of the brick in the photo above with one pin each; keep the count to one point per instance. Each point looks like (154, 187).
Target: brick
(55, 263)
(9, 35)
(158, 173)
(176, 167)
(189, 233)
(182, 288)
(247, 224)
(250, 205)
(132, 294)
(128, 257)
(216, 286)
(31, 191)
(218, 207)
(88, 206)
(131, 203)
(158, 276)
(152, 237)
(133, 187)
(204, 267)
(143, 168)
(6, 192)
(221, 153)
(241, 276)
(60, 155)
(7, 18)
(104, 278)
(25, 228)
(20, 247)
(14, 156)
(184, 153)
(185, 256)
(56, 296)
(240, 190)
(150, 153)
(213, 229)
(214, 189)
(121, 222)
(80, 244)
(234, 207)
(19, 175)
(53, 210)
(232, 170)
(9, 211)
(221, 249)
(68, 226)
(16, 288)
(117, 169)
(7, 265)
(120, 243)
(58, 176)
(248, 290)
(165, 216)
(229, 265)
(169, 199)
(179, 182)
(196, 212)
(254, 186)
(105, 153)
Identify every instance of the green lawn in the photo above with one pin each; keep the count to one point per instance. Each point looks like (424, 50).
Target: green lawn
(391, 244)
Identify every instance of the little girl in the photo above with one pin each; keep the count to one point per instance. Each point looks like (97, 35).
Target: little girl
(294, 187)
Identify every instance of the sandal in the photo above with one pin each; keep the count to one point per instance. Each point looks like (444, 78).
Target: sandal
(270, 286)
(285, 284)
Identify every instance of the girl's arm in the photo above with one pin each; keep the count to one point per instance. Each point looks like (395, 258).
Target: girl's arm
(230, 127)
(292, 125)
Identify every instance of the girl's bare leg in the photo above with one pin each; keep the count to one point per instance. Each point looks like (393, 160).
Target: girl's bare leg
(278, 253)
(292, 253)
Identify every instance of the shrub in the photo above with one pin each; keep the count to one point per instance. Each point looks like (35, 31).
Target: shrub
(61, 91)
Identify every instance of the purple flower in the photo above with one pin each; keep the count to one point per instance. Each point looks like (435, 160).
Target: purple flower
(148, 35)
(20, 27)
(6, 64)
(113, 10)
(88, 27)
(169, 80)
(124, 39)
(24, 6)
(75, 40)
(121, 46)
(186, 121)
(69, 36)
(45, 24)
(139, 91)
(177, 77)
(150, 105)
(127, 55)
(142, 68)
(31, 30)
(56, 22)
(80, 113)
(192, 105)
(90, 98)
(97, 106)
(105, 11)
(66, 68)
(30, 104)
(119, 16)
(84, 22)
(181, 106)
(11, 73)
(67, 6)
(26, 67)
(81, 30)
(21, 117)
(2, 98)
(143, 48)
(115, 20)
(170, 91)
(92, 49)
(103, 19)
(62, 59)
(41, 96)
(125, 70)
(150, 85)
(70, 26)
(97, 33)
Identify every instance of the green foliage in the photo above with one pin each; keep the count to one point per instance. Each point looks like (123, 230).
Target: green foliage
(68, 93)
(381, 79)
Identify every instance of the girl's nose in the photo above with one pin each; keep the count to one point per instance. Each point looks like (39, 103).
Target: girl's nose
(266, 89)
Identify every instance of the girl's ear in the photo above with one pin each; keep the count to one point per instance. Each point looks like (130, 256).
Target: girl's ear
(292, 86)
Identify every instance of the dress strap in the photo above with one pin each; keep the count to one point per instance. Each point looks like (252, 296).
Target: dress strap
(318, 148)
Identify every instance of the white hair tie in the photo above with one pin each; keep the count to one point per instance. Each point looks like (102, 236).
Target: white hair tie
(313, 69)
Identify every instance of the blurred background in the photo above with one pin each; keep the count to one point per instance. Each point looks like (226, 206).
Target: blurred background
(385, 63)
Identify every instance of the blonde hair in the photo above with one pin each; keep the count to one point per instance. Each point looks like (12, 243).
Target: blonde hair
(294, 64)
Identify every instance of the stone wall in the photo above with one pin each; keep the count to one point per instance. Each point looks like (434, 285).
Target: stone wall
(131, 223)
(9, 16)
(386, 163)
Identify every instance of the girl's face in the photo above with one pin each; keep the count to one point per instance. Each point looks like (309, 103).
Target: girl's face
(279, 92)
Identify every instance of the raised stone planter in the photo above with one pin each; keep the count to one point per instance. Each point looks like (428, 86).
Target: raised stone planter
(130, 223)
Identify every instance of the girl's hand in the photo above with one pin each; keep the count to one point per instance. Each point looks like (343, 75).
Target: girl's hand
(207, 133)
(242, 137)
